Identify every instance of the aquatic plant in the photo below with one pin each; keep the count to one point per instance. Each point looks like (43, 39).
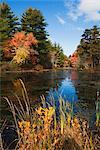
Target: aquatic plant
(98, 109)
(39, 128)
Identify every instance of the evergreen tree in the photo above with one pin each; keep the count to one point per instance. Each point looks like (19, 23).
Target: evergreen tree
(8, 24)
(56, 55)
(33, 21)
(89, 48)
(60, 56)
(95, 46)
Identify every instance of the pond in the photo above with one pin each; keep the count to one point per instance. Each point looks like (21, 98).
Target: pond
(75, 86)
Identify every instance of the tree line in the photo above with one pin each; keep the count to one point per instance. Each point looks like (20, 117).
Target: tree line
(87, 54)
(89, 48)
(26, 41)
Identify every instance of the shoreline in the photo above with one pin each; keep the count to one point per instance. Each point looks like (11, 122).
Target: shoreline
(33, 70)
(20, 70)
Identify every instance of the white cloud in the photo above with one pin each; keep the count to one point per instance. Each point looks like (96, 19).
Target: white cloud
(61, 20)
(90, 9)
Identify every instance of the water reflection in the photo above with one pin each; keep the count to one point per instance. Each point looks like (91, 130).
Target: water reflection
(81, 87)
(66, 90)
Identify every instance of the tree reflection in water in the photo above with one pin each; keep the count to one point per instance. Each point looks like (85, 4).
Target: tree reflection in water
(80, 87)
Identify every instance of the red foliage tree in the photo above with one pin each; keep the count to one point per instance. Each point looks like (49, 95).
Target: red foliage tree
(74, 59)
(24, 41)
(21, 39)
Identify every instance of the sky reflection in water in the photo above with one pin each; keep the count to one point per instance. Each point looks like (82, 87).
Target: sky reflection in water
(66, 90)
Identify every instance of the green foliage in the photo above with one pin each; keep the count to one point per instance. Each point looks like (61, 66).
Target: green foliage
(57, 55)
(54, 56)
(89, 48)
(8, 24)
(33, 21)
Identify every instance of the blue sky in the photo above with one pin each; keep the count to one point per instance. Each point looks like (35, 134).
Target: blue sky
(67, 19)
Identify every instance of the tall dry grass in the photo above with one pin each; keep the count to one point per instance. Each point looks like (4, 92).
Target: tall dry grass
(40, 129)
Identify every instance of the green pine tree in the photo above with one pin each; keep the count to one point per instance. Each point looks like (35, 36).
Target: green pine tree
(89, 48)
(8, 25)
(33, 21)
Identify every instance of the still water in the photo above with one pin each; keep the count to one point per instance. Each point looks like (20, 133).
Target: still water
(79, 87)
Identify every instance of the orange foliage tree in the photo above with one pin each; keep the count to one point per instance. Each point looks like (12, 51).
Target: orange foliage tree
(74, 59)
(20, 48)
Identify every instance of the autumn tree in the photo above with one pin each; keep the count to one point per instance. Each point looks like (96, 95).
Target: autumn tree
(8, 24)
(74, 59)
(20, 48)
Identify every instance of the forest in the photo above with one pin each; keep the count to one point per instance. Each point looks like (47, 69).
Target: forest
(87, 54)
(26, 42)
